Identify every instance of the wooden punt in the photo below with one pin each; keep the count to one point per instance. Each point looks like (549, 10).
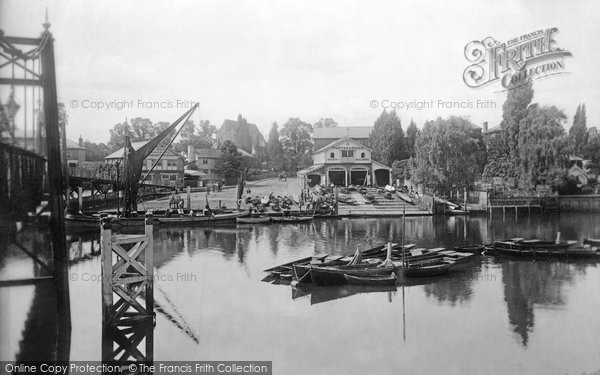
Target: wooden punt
(374, 280)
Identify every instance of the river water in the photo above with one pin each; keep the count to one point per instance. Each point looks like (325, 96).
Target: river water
(498, 316)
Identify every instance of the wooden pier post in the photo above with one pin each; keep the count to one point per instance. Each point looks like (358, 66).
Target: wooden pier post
(188, 192)
(131, 282)
(80, 197)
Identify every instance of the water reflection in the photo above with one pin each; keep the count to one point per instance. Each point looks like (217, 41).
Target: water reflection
(227, 308)
(531, 284)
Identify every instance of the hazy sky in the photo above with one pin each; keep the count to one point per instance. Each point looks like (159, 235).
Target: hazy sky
(271, 60)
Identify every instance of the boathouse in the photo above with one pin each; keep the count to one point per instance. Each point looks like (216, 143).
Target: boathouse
(343, 157)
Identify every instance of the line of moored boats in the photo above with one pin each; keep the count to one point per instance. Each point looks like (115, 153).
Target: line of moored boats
(388, 264)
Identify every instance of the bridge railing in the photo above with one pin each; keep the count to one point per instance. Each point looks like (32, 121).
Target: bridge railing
(22, 181)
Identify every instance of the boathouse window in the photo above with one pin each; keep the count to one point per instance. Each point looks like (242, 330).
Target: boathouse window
(347, 154)
(362, 155)
(332, 155)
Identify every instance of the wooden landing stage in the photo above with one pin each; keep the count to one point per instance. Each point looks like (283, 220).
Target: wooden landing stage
(520, 203)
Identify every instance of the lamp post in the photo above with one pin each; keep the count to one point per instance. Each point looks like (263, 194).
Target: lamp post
(118, 165)
(12, 107)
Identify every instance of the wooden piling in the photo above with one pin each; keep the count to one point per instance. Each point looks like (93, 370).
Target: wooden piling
(80, 197)
(129, 280)
(188, 192)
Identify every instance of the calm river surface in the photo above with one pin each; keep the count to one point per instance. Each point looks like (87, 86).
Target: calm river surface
(499, 316)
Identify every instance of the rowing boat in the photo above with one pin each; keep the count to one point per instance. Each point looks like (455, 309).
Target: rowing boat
(592, 241)
(427, 269)
(332, 275)
(374, 280)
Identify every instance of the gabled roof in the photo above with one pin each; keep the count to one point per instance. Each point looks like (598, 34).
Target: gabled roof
(215, 153)
(339, 141)
(229, 132)
(73, 145)
(359, 132)
(137, 145)
(378, 165)
(208, 153)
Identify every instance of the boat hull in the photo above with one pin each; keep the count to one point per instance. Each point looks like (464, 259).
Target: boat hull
(291, 219)
(253, 220)
(336, 276)
(371, 280)
(427, 270)
(194, 220)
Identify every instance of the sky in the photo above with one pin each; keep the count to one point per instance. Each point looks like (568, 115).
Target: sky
(271, 60)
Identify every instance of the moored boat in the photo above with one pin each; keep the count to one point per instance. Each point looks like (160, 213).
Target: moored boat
(532, 247)
(427, 269)
(291, 219)
(253, 220)
(336, 275)
(592, 241)
(374, 280)
(191, 220)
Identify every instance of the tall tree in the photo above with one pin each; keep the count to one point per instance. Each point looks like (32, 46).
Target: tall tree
(542, 147)
(200, 136)
(273, 145)
(325, 123)
(387, 138)
(578, 131)
(497, 154)
(296, 142)
(138, 129)
(411, 137)
(591, 150)
(447, 154)
(513, 111)
(229, 164)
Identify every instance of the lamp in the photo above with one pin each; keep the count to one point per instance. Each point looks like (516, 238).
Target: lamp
(12, 107)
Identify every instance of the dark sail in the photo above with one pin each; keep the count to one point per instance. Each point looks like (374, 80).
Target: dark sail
(134, 159)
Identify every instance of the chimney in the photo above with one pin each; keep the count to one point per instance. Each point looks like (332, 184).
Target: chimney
(485, 126)
(191, 153)
(80, 141)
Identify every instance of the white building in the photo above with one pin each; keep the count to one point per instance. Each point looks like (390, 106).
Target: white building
(344, 159)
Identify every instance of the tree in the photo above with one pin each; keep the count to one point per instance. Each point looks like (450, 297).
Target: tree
(542, 147)
(95, 152)
(273, 145)
(296, 142)
(411, 137)
(591, 150)
(229, 164)
(387, 138)
(325, 123)
(200, 136)
(498, 162)
(513, 111)
(400, 169)
(274, 149)
(138, 129)
(578, 131)
(447, 154)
